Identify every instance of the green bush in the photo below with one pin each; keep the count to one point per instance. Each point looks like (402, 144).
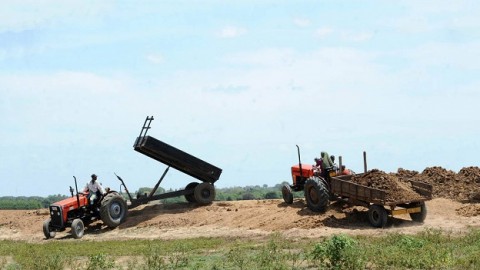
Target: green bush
(272, 255)
(153, 258)
(99, 262)
(338, 252)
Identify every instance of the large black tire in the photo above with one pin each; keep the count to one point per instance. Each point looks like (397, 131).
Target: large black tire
(287, 194)
(316, 194)
(47, 230)
(377, 216)
(420, 217)
(113, 210)
(78, 229)
(191, 197)
(204, 193)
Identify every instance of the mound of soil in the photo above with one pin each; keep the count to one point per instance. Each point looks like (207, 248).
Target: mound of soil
(395, 189)
(469, 210)
(405, 174)
(463, 187)
(470, 174)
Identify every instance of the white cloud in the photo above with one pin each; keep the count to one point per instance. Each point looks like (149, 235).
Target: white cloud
(31, 14)
(155, 58)
(324, 32)
(428, 16)
(301, 22)
(357, 37)
(232, 32)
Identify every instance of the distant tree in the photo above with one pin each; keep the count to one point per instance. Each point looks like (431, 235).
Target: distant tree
(248, 196)
(272, 195)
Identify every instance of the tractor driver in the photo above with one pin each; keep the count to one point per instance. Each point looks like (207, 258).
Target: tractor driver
(95, 190)
(327, 164)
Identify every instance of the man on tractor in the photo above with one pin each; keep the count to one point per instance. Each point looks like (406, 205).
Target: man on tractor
(94, 189)
(327, 165)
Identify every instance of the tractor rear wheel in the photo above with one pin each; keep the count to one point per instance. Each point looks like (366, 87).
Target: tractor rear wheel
(377, 216)
(47, 230)
(204, 193)
(78, 229)
(420, 217)
(113, 210)
(316, 194)
(287, 194)
(191, 186)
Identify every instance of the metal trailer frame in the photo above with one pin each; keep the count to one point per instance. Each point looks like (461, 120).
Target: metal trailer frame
(177, 159)
(374, 199)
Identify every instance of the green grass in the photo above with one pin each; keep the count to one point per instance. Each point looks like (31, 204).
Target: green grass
(431, 249)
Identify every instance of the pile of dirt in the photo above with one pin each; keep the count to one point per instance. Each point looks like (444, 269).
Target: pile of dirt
(395, 189)
(469, 210)
(463, 186)
(470, 174)
(405, 174)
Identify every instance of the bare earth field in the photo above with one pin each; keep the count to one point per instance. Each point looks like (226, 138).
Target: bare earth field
(250, 219)
(455, 208)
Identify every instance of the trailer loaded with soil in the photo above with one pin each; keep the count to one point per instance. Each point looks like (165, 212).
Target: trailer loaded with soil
(384, 195)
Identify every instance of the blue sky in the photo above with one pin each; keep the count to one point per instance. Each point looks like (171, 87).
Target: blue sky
(237, 84)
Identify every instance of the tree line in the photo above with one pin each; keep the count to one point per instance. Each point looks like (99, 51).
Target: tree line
(256, 192)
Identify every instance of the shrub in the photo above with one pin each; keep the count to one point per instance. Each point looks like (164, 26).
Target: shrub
(99, 262)
(338, 252)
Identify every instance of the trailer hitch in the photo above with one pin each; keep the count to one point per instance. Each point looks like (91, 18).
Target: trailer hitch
(124, 186)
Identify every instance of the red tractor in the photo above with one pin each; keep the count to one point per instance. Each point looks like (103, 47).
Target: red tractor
(76, 212)
(316, 186)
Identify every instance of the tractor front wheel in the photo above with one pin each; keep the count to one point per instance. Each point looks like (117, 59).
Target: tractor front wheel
(78, 228)
(316, 194)
(47, 230)
(113, 210)
(287, 194)
(204, 193)
(191, 186)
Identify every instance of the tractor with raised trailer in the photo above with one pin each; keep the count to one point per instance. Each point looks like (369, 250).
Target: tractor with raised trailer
(320, 190)
(112, 209)
(77, 213)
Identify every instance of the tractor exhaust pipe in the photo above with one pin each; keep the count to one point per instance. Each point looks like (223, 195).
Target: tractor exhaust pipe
(76, 189)
(299, 161)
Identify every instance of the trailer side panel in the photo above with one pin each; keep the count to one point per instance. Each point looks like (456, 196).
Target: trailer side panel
(357, 192)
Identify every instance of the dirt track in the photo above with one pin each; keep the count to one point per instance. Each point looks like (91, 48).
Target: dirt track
(244, 219)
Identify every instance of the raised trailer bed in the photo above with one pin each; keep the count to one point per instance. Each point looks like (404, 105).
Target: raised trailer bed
(208, 174)
(379, 209)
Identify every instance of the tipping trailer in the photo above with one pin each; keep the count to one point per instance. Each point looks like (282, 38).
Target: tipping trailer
(208, 174)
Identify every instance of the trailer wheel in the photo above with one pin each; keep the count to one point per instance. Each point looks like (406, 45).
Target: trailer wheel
(191, 186)
(47, 230)
(287, 194)
(420, 217)
(316, 194)
(204, 193)
(78, 228)
(377, 216)
(113, 210)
